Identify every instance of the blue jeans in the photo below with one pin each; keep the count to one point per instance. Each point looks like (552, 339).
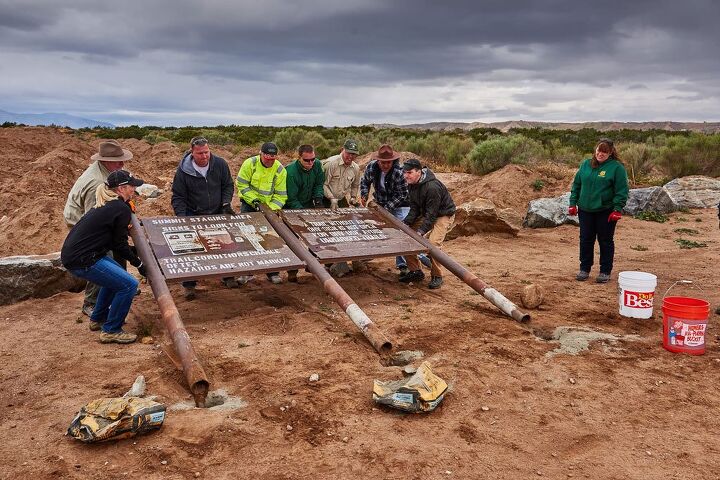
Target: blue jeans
(400, 213)
(117, 290)
(595, 226)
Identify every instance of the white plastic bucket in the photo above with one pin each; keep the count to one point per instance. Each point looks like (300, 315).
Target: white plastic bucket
(637, 291)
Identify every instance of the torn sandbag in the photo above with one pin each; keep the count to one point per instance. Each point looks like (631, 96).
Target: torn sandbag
(421, 392)
(116, 418)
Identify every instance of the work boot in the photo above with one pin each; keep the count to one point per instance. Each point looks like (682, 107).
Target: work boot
(435, 282)
(230, 282)
(602, 278)
(414, 276)
(404, 270)
(243, 279)
(582, 275)
(119, 337)
(274, 278)
(95, 326)
(292, 276)
(189, 293)
(425, 260)
(87, 309)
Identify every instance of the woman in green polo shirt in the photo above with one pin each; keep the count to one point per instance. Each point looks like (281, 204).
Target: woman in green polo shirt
(598, 196)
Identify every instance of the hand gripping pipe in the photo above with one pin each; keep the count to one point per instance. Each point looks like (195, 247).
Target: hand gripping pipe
(492, 295)
(371, 331)
(194, 373)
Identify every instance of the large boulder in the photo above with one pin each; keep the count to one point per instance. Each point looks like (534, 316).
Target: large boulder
(651, 199)
(694, 191)
(34, 276)
(549, 212)
(482, 216)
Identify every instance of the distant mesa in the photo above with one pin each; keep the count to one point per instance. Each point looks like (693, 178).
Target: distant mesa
(59, 119)
(704, 127)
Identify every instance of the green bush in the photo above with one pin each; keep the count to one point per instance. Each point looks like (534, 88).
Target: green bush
(155, 137)
(639, 160)
(497, 152)
(538, 185)
(650, 216)
(696, 154)
(289, 139)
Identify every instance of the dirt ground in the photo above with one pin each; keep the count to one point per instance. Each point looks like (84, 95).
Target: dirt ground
(621, 410)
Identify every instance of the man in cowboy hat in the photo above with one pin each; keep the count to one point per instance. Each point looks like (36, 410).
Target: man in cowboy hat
(110, 157)
(390, 188)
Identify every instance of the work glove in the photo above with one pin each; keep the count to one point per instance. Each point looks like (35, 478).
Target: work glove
(317, 203)
(353, 202)
(142, 269)
(256, 204)
(572, 211)
(227, 208)
(614, 217)
(421, 233)
(334, 203)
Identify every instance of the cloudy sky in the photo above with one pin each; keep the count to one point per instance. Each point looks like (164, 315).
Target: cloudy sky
(351, 62)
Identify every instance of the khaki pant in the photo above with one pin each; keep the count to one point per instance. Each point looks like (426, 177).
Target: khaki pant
(437, 236)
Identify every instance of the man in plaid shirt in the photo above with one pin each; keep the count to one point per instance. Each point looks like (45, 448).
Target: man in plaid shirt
(390, 188)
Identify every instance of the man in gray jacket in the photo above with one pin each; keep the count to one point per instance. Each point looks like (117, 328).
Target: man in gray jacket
(110, 157)
(202, 186)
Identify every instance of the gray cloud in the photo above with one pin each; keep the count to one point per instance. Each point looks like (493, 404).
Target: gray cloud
(359, 60)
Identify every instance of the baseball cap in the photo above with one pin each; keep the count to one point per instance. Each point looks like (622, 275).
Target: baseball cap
(269, 148)
(351, 146)
(411, 164)
(122, 177)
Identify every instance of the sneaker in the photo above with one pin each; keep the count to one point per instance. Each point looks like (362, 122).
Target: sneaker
(119, 337)
(87, 309)
(602, 278)
(275, 278)
(414, 276)
(292, 276)
(189, 293)
(582, 275)
(403, 270)
(425, 260)
(435, 282)
(95, 326)
(230, 282)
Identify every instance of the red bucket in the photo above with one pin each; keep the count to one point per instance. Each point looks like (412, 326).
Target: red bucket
(684, 323)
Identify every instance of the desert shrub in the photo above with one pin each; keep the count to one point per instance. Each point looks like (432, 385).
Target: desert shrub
(288, 139)
(639, 160)
(687, 244)
(696, 154)
(497, 152)
(538, 185)
(557, 152)
(650, 216)
(184, 135)
(154, 137)
(216, 137)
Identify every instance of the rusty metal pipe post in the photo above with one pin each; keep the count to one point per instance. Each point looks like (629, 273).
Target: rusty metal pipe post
(371, 331)
(193, 370)
(492, 295)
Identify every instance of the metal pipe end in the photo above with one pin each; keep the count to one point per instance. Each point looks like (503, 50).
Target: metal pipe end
(521, 317)
(199, 391)
(386, 348)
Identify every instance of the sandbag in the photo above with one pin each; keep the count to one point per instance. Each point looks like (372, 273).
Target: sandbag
(115, 418)
(421, 392)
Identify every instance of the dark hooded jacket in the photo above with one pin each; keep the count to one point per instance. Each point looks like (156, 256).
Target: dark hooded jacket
(193, 194)
(429, 199)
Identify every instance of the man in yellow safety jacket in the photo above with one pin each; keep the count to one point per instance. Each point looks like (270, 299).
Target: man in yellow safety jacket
(262, 179)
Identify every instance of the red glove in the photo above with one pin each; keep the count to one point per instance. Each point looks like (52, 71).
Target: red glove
(614, 217)
(572, 211)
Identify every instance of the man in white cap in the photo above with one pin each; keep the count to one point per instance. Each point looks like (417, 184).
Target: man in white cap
(110, 157)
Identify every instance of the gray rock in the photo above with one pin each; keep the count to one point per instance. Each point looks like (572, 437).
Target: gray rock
(694, 191)
(405, 357)
(149, 190)
(651, 199)
(34, 276)
(482, 216)
(549, 212)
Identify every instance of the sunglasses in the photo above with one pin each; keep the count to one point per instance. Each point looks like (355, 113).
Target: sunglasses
(308, 160)
(195, 142)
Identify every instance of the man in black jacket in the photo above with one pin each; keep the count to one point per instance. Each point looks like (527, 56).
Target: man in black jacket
(432, 212)
(202, 186)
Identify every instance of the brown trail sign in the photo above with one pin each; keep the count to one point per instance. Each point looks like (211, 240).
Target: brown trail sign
(349, 234)
(217, 246)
